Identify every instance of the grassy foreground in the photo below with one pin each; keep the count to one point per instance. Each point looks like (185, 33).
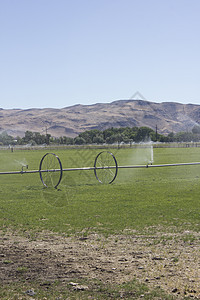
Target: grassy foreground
(138, 198)
(145, 200)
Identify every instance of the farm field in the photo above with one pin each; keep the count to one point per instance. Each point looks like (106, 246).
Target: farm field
(135, 238)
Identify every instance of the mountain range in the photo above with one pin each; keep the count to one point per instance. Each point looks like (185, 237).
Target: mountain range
(70, 121)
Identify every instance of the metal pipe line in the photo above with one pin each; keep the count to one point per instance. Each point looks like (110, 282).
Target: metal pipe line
(101, 168)
(81, 169)
(28, 172)
(161, 165)
(89, 168)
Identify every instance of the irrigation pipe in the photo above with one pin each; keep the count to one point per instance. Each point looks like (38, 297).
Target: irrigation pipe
(100, 168)
(156, 166)
(29, 172)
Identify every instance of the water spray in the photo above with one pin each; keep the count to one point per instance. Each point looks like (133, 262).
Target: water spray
(151, 155)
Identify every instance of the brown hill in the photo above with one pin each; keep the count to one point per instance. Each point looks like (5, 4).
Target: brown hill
(70, 121)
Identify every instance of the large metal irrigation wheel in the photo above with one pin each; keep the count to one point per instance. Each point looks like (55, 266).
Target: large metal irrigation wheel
(105, 167)
(50, 170)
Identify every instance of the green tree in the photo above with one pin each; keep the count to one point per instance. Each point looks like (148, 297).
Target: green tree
(28, 136)
(68, 140)
(89, 135)
(196, 129)
(39, 139)
(79, 141)
(171, 137)
(6, 139)
(143, 134)
(48, 137)
(98, 139)
(186, 137)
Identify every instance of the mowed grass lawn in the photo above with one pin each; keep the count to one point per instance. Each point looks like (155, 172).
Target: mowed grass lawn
(146, 200)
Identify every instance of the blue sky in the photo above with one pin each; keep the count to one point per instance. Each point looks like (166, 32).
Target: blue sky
(58, 53)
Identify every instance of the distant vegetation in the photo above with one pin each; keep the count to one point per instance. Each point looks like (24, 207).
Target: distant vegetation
(112, 135)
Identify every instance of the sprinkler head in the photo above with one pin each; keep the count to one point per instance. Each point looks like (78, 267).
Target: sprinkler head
(24, 166)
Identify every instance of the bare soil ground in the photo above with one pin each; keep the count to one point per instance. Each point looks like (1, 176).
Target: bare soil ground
(169, 261)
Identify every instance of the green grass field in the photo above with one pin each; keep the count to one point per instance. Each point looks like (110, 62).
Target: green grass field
(145, 201)
(138, 198)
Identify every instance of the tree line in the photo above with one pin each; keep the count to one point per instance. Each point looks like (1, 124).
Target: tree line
(109, 136)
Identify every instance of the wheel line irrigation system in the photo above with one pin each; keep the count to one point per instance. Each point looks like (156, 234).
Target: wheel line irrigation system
(105, 168)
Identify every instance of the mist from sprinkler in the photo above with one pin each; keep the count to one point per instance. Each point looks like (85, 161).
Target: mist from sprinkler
(23, 165)
(143, 153)
(151, 162)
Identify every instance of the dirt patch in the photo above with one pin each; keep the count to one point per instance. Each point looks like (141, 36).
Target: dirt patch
(171, 262)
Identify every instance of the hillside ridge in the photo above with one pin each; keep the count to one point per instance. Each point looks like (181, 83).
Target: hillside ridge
(70, 121)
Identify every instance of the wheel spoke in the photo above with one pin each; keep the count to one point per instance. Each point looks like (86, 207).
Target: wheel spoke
(105, 167)
(50, 170)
